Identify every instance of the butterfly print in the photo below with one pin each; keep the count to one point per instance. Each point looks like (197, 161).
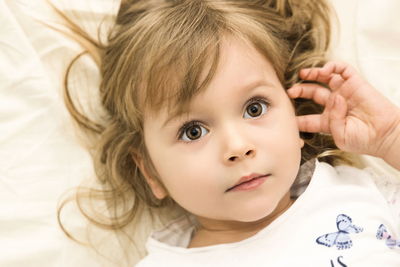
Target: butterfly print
(383, 233)
(341, 239)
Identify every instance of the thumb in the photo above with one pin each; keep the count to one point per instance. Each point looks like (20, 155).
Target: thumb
(337, 120)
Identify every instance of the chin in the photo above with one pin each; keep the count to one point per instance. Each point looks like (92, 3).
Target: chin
(258, 215)
(260, 210)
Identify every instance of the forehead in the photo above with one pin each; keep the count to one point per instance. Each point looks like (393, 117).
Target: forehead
(240, 68)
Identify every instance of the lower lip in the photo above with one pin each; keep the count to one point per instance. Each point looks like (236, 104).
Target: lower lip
(253, 184)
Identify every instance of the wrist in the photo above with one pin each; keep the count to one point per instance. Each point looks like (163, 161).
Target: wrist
(391, 149)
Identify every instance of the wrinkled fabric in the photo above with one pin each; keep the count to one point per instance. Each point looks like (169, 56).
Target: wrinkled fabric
(41, 156)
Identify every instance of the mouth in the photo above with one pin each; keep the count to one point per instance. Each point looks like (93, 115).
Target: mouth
(250, 182)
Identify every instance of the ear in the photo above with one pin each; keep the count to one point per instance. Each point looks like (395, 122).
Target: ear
(156, 187)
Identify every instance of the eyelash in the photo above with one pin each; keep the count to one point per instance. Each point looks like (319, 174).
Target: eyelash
(186, 125)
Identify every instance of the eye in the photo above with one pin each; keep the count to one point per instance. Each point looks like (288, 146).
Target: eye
(256, 108)
(191, 131)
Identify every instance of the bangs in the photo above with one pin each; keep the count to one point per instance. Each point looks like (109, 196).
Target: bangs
(183, 49)
(177, 50)
(183, 70)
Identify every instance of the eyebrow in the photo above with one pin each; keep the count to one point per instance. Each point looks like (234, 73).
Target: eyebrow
(252, 85)
(169, 119)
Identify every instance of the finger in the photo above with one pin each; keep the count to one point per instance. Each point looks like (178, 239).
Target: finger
(337, 120)
(341, 68)
(314, 74)
(324, 74)
(310, 123)
(335, 82)
(315, 92)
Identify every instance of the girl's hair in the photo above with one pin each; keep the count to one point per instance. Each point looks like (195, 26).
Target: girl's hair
(155, 57)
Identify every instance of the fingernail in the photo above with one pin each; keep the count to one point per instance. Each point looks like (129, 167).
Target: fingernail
(306, 71)
(337, 100)
(290, 91)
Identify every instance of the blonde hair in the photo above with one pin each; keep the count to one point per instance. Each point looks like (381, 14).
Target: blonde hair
(155, 56)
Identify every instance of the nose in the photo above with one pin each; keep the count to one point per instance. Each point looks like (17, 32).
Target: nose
(237, 147)
(240, 156)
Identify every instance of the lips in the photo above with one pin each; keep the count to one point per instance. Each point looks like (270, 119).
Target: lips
(246, 179)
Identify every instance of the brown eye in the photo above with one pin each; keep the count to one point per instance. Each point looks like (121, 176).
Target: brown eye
(256, 109)
(192, 131)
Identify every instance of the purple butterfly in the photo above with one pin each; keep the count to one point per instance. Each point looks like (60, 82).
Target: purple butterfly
(382, 233)
(341, 239)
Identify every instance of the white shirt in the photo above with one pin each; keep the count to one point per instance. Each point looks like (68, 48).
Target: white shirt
(342, 219)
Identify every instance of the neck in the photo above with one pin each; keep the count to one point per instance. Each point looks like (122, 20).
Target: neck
(212, 232)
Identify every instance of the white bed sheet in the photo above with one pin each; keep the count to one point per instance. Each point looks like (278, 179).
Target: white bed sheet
(40, 154)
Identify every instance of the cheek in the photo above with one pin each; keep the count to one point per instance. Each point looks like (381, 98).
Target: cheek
(188, 182)
(281, 142)
(183, 172)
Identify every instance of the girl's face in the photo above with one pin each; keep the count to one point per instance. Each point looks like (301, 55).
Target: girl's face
(243, 123)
